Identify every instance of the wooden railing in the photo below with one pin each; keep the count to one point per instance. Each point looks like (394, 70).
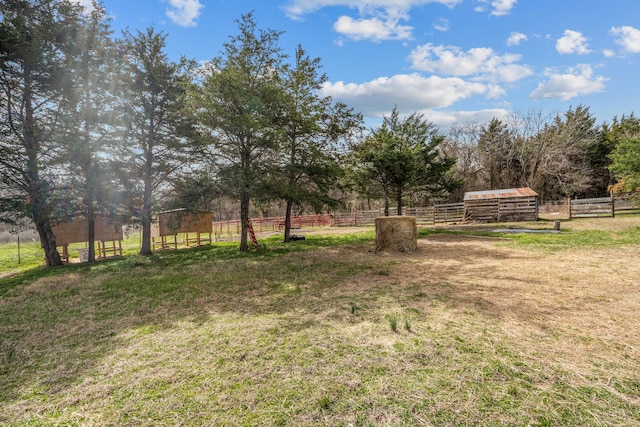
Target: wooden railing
(604, 206)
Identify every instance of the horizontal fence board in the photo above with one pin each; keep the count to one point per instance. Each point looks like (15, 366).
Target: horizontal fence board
(504, 209)
(591, 207)
(627, 201)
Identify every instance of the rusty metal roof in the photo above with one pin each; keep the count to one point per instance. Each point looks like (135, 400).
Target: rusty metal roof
(500, 194)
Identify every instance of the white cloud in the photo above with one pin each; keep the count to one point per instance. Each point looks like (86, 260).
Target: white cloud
(374, 29)
(628, 38)
(184, 12)
(414, 93)
(481, 63)
(608, 53)
(449, 118)
(442, 24)
(572, 42)
(499, 7)
(410, 91)
(502, 7)
(295, 9)
(377, 19)
(515, 38)
(576, 81)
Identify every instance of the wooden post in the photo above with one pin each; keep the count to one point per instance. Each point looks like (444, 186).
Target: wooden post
(613, 204)
(569, 207)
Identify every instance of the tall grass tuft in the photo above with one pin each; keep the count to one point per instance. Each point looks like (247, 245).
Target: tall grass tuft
(393, 322)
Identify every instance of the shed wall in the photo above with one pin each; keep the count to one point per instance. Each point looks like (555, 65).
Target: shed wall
(77, 231)
(182, 221)
(502, 210)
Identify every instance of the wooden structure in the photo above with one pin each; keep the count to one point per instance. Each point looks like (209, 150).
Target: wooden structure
(197, 227)
(604, 206)
(594, 207)
(396, 233)
(108, 234)
(506, 205)
(626, 201)
(438, 214)
(449, 213)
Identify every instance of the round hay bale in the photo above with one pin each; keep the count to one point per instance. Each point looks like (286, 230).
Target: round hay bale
(396, 233)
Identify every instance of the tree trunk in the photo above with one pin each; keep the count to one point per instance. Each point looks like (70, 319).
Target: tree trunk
(48, 242)
(399, 202)
(145, 248)
(244, 220)
(40, 216)
(91, 221)
(386, 206)
(287, 222)
(37, 189)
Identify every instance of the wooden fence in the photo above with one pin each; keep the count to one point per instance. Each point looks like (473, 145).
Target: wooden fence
(627, 201)
(604, 206)
(228, 230)
(593, 207)
(438, 214)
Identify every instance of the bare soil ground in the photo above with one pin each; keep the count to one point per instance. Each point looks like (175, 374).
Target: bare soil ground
(537, 295)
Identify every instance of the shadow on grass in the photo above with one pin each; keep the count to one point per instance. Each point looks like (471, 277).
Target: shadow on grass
(57, 325)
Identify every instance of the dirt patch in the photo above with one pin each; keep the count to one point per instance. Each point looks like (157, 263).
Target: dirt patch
(588, 296)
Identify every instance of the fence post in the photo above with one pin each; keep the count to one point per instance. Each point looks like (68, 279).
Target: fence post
(569, 207)
(613, 205)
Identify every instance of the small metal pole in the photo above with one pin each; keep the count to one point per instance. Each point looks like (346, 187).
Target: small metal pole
(18, 246)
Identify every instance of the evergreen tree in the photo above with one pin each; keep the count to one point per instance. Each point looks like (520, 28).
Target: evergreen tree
(237, 104)
(312, 126)
(403, 157)
(498, 153)
(89, 114)
(161, 133)
(36, 40)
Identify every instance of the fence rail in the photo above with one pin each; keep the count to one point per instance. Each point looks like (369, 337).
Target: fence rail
(438, 214)
(604, 206)
(598, 206)
(449, 213)
(226, 230)
(488, 210)
(626, 201)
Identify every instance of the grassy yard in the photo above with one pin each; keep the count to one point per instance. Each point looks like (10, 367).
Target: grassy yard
(475, 328)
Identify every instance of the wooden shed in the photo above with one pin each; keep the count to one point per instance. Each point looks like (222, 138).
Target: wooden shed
(108, 234)
(197, 227)
(506, 205)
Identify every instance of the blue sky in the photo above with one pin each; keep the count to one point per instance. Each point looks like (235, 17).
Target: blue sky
(453, 60)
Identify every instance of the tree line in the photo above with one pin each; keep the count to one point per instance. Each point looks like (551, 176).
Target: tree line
(558, 155)
(94, 123)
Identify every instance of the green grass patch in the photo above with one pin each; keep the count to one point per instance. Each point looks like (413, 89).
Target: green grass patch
(576, 239)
